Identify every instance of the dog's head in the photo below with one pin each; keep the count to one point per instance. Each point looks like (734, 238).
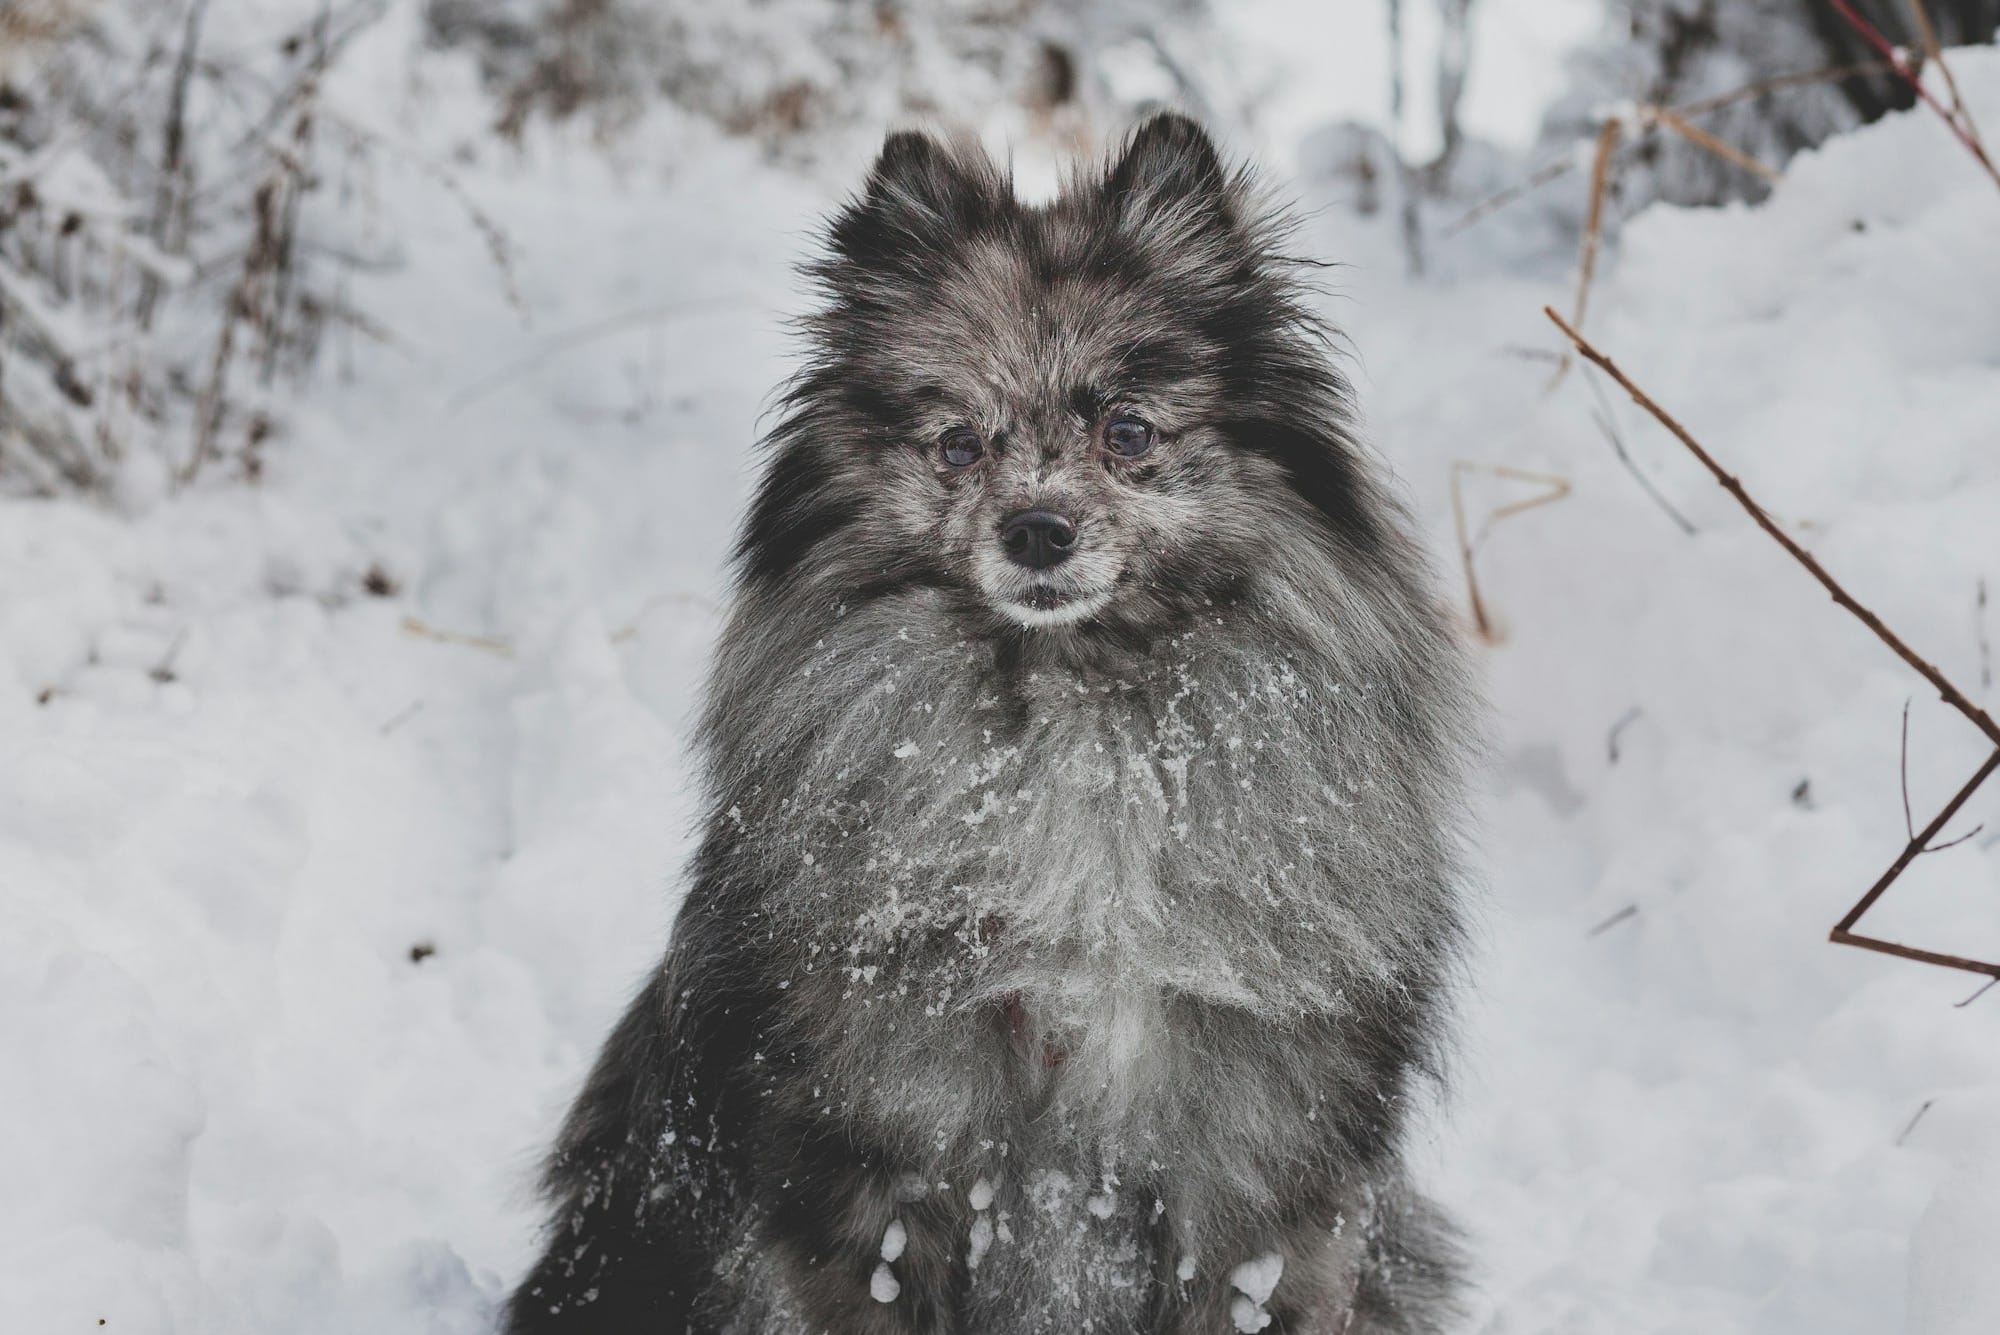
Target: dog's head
(1104, 413)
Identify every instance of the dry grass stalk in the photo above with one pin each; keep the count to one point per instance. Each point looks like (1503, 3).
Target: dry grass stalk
(1934, 54)
(1687, 112)
(1555, 489)
(29, 23)
(209, 222)
(1843, 932)
(1985, 644)
(1702, 139)
(1600, 176)
(1777, 83)
(1536, 179)
(487, 643)
(1593, 230)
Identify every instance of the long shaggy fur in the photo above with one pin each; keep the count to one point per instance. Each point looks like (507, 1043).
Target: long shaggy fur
(1065, 944)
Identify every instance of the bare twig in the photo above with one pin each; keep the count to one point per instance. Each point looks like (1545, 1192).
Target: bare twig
(1625, 721)
(1626, 914)
(1969, 835)
(1843, 933)
(1535, 180)
(1984, 989)
(570, 339)
(1557, 168)
(1909, 825)
(402, 716)
(1526, 354)
(1948, 692)
(1831, 74)
(1909, 828)
(163, 671)
(1882, 47)
(1914, 1120)
(1609, 427)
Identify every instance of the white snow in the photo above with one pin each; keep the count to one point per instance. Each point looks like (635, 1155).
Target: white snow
(1254, 1281)
(239, 1098)
(1247, 1316)
(979, 1241)
(894, 1239)
(1257, 1278)
(1695, 1118)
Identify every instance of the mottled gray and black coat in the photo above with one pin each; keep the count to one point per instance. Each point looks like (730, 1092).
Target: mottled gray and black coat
(1068, 935)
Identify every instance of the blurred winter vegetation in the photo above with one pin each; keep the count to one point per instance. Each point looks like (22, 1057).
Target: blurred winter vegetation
(182, 212)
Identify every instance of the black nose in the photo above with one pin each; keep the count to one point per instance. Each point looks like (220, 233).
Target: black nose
(1038, 539)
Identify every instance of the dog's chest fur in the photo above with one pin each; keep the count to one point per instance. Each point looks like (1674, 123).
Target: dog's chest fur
(1002, 894)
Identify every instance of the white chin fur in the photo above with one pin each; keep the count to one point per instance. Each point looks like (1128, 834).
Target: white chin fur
(1047, 618)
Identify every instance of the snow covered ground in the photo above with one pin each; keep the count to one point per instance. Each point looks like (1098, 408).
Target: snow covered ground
(314, 901)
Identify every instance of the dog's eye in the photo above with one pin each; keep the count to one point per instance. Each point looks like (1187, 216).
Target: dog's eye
(1128, 437)
(962, 447)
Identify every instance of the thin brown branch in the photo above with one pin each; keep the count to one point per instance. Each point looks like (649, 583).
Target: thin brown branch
(1984, 989)
(1901, 66)
(1970, 834)
(1843, 932)
(1949, 693)
(1909, 825)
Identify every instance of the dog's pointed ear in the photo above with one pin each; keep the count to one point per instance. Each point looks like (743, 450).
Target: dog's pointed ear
(1170, 166)
(918, 191)
(913, 168)
(919, 184)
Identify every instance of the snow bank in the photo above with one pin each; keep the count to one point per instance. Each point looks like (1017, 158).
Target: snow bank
(1697, 1114)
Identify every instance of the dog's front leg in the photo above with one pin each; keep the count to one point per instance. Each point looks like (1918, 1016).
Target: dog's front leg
(865, 1245)
(1290, 1275)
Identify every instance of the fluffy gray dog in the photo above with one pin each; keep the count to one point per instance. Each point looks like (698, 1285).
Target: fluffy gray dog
(1084, 762)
